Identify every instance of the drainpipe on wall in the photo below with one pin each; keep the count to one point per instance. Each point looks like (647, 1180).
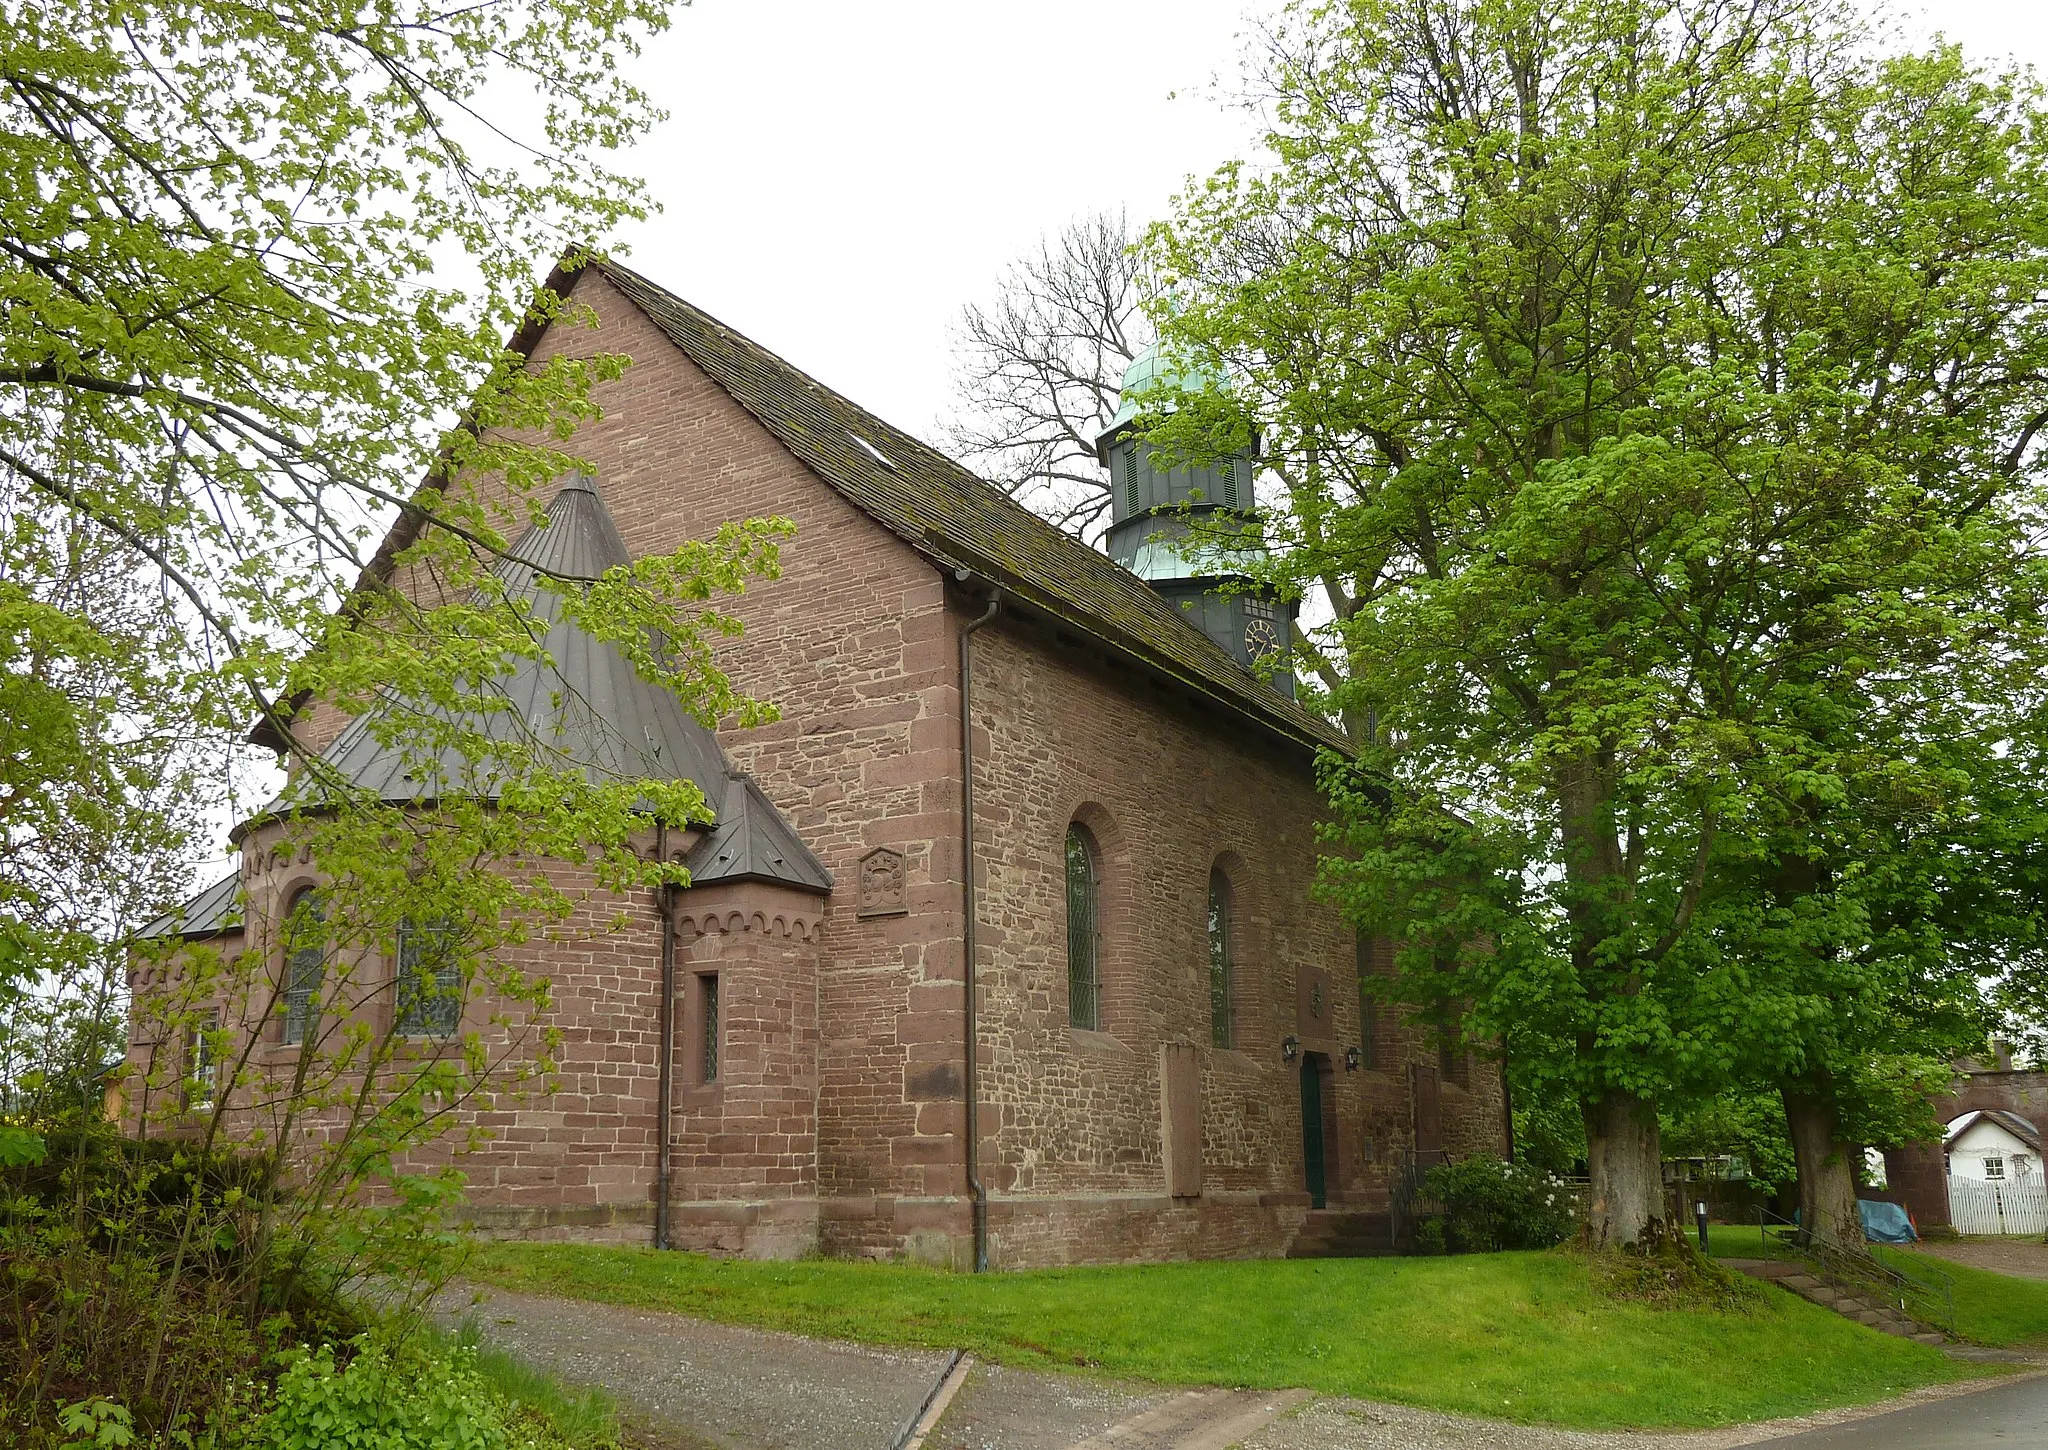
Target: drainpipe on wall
(665, 901)
(968, 914)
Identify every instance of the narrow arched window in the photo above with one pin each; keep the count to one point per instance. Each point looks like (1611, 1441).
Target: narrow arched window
(1084, 984)
(305, 944)
(1221, 966)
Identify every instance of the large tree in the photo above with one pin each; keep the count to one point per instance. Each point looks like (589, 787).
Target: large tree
(1039, 369)
(260, 265)
(1656, 388)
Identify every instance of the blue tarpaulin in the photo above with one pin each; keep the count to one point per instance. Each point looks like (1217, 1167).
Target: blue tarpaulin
(1885, 1223)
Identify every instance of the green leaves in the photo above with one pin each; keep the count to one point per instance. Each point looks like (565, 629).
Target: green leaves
(1652, 394)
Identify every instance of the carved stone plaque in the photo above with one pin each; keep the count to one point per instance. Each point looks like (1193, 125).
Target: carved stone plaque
(1315, 1007)
(882, 880)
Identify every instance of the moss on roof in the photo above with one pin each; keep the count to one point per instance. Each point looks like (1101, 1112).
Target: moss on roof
(960, 521)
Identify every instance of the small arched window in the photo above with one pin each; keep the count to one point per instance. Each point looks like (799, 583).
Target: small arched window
(1221, 965)
(305, 945)
(1084, 937)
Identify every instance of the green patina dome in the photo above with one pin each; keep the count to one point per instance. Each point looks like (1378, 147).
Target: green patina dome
(1155, 370)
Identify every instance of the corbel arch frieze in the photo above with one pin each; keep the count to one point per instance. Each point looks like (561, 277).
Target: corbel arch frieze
(737, 907)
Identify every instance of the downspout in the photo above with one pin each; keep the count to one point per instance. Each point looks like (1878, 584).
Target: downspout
(968, 913)
(665, 900)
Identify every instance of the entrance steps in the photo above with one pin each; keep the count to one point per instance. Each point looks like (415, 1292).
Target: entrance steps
(1335, 1233)
(1800, 1279)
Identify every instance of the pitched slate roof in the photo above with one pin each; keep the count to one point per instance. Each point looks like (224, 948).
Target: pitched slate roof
(958, 520)
(215, 911)
(752, 842)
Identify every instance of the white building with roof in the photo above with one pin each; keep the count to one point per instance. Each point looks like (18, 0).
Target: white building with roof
(1995, 1182)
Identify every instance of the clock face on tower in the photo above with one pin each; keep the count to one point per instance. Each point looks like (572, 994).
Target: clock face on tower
(1261, 638)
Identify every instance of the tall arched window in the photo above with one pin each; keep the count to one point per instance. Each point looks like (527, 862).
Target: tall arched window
(1220, 962)
(305, 954)
(1084, 937)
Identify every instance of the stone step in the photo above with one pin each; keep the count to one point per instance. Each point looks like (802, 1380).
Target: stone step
(1342, 1234)
(1882, 1317)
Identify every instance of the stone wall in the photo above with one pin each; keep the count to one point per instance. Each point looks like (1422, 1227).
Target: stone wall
(1072, 1125)
(839, 1121)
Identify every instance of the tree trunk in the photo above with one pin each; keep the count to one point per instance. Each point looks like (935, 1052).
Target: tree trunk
(1626, 1205)
(1827, 1167)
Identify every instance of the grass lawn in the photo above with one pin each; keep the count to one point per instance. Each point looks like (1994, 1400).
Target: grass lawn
(1515, 1336)
(1994, 1309)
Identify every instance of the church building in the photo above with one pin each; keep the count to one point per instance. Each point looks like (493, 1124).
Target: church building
(1004, 947)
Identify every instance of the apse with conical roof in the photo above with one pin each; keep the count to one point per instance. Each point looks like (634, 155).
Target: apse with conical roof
(1170, 519)
(580, 705)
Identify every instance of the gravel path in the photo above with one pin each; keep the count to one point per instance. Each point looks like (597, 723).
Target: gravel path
(2022, 1258)
(1363, 1425)
(688, 1384)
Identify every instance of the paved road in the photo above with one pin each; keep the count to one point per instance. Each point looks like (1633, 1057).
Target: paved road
(2010, 1417)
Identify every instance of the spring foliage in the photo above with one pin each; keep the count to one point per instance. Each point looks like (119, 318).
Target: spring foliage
(1654, 390)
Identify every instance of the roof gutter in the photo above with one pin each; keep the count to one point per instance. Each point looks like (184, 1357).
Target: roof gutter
(969, 910)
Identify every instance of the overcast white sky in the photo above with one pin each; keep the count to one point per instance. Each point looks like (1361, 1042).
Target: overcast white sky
(839, 178)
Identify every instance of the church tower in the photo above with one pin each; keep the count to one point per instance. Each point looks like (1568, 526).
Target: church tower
(1190, 532)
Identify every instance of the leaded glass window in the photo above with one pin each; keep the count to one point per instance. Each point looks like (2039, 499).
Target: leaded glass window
(1220, 964)
(1084, 937)
(429, 979)
(708, 994)
(305, 958)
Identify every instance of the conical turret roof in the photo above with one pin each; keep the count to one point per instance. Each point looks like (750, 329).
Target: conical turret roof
(752, 842)
(583, 703)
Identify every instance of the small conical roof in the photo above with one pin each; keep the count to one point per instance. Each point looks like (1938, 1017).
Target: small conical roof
(211, 912)
(584, 703)
(752, 842)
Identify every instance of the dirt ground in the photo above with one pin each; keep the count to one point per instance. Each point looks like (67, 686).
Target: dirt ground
(2022, 1258)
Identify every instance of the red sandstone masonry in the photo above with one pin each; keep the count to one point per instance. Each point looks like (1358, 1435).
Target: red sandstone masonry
(837, 1121)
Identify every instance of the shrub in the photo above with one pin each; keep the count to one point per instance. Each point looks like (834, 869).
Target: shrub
(383, 1401)
(423, 1395)
(1489, 1205)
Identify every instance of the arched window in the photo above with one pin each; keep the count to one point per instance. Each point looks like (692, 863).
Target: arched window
(1084, 938)
(305, 946)
(1221, 966)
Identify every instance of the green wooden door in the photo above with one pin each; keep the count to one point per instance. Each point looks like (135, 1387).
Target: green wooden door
(1312, 1128)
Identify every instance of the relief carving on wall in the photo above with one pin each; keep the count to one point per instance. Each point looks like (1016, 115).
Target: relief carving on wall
(882, 881)
(1315, 1007)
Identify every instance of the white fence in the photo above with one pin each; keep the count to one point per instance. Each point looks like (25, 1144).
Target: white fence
(1986, 1206)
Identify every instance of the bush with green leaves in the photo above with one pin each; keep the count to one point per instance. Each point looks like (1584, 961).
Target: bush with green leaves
(378, 1399)
(1488, 1205)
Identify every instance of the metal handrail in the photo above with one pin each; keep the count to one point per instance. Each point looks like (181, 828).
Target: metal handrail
(1405, 1201)
(1926, 1296)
